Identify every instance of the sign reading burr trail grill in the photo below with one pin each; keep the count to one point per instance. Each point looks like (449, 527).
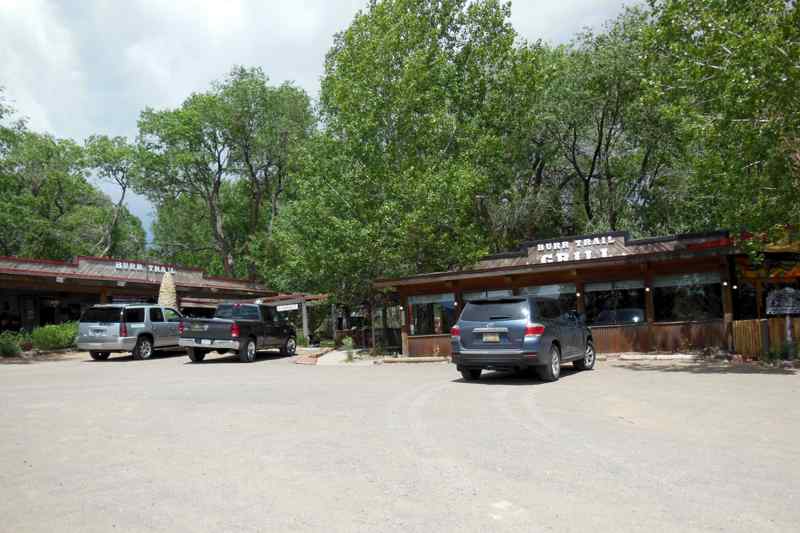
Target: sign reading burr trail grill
(784, 301)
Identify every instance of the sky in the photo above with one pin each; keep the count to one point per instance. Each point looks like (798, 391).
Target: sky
(80, 67)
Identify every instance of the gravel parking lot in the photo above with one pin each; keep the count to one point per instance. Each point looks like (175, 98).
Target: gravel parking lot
(163, 445)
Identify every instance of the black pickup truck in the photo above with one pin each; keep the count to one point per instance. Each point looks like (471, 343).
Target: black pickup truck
(238, 328)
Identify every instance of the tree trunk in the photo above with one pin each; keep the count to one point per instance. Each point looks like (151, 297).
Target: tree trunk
(107, 240)
(219, 235)
(587, 203)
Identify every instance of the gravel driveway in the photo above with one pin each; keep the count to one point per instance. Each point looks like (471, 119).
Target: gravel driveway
(163, 445)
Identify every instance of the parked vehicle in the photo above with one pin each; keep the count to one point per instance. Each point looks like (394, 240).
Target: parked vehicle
(136, 328)
(241, 328)
(517, 333)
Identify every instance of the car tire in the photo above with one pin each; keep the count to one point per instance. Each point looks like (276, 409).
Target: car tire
(143, 349)
(289, 347)
(196, 355)
(99, 356)
(589, 358)
(471, 374)
(247, 352)
(552, 370)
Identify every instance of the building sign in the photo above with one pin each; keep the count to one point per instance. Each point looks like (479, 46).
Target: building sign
(287, 307)
(143, 267)
(577, 249)
(784, 301)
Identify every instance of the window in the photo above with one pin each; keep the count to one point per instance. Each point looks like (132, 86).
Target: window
(547, 309)
(511, 309)
(156, 315)
(102, 314)
(478, 295)
(687, 297)
(564, 293)
(744, 301)
(135, 314)
(615, 302)
(769, 288)
(238, 311)
(172, 315)
(432, 314)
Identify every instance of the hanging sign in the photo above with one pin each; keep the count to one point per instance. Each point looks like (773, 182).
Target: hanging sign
(577, 249)
(784, 301)
(287, 307)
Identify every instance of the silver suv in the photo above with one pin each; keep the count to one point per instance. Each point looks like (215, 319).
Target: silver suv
(135, 328)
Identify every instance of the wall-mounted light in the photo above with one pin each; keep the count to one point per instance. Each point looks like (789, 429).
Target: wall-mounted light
(724, 283)
(455, 303)
(647, 289)
(59, 279)
(401, 307)
(578, 294)
(735, 287)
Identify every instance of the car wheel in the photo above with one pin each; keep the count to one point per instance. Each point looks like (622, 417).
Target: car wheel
(289, 347)
(551, 371)
(143, 348)
(589, 357)
(196, 355)
(471, 374)
(247, 353)
(99, 356)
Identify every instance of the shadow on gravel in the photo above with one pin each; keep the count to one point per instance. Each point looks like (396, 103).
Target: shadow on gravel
(706, 368)
(527, 378)
(260, 357)
(129, 358)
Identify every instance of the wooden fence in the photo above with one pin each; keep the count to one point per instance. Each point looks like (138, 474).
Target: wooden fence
(756, 337)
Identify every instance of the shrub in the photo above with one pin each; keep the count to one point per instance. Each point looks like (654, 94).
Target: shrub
(55, 336)
(347, 343)
(9, 345)
(301, 340)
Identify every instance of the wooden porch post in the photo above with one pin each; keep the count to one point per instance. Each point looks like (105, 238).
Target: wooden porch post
(104, 295)
(727, 307)
(304, 314)
(406, 324)
(650, 310)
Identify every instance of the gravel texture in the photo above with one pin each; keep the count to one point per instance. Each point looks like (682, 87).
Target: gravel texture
(164, 445)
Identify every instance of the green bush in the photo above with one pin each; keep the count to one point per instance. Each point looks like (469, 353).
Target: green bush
(301, 340)
(9, 345)
(55, 336)
(347, 343)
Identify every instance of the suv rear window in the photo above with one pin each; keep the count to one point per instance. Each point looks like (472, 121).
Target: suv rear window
(482, 311)
(244, 312)
(134, 315)
(102, 314)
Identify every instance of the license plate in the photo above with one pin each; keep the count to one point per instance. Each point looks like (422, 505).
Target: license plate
(205, 341)
(491, 337)
(98, 332)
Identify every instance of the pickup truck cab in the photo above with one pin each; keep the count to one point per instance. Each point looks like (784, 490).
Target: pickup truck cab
(240, 328)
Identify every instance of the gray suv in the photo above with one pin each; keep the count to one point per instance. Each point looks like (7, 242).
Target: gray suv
(517, 333)
(135, 328)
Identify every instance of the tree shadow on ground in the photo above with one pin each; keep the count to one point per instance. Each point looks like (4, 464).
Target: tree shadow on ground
(526, 377)
(234, 358)
(705, 368)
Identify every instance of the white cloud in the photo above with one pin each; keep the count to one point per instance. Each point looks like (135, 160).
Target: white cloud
(78, 67)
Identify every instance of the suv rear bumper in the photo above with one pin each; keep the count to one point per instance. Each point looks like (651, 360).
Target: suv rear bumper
(496, 360)
(122, 344)
(215, 344)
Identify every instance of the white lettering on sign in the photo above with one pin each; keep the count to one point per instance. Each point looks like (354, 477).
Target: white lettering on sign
(578, 249)
(141, 267)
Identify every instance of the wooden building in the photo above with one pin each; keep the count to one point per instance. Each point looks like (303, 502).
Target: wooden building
(666, 293)
(35, 292)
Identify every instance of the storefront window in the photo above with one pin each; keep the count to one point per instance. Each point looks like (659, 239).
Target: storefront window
(564, 293)
(744, 299)
(687, 297)
(477, 295)
(769, 288)
(615, 302)
(432, 314)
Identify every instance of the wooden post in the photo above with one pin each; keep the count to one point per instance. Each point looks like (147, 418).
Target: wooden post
(304, 314)
(727, 311)
(104, 295)
(333, 323)
(580, 305)
(406, 328)
(650, 310)
(759, 299)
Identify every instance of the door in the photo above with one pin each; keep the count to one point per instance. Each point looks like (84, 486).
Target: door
(172, 318)
(159, 326)
(272, 334)
(571, 331)
(548, 313)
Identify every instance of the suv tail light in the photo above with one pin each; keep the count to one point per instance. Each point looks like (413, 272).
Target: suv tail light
(123, 328)
(181, 328)
(235, 330)
(455, 331)
(534, 330)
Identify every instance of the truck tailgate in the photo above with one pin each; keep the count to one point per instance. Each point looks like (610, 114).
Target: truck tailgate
(207, 328)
